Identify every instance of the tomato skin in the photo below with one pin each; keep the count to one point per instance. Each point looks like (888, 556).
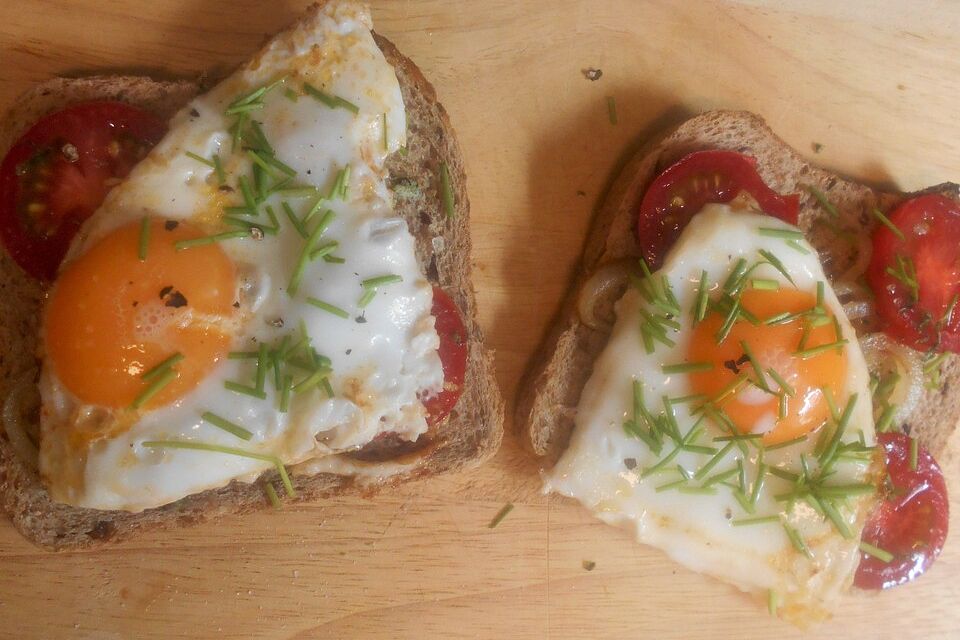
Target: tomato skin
(453, 356)
(698, 178)
(59, 172)
(910, 522)
(931, 227)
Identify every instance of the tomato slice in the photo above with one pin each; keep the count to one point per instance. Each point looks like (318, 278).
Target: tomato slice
(678, 193)
(59, 172)
(916, 280)
(911, 520)
(453, 356)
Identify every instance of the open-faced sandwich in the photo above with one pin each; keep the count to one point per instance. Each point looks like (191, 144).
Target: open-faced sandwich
(753, 369)
(214, 301)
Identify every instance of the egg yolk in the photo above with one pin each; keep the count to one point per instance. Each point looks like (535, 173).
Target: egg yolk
(112, 317)
(773, 347)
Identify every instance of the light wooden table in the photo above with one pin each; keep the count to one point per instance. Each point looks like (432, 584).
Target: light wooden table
(876, 83)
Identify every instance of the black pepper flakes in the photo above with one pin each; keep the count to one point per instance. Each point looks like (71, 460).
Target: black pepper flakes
(172, 298)
(630, 463)
(170, 225)
(194, 113)
(361, 320)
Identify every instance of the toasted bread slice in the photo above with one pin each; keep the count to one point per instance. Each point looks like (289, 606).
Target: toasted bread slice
(556, 376)
(469, 435)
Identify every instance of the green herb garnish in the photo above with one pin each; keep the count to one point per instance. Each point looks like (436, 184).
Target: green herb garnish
(159, 368)
(226, 425)
(162, 380)
(326, 306)
(497, 519)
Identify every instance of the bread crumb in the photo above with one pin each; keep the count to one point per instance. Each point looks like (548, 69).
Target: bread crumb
(592, 74)
(589, 565)
(439, 244)
(817, 147)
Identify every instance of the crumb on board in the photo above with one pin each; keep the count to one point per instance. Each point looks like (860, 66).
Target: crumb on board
(817, 147)
(589, 565)
(592, 74)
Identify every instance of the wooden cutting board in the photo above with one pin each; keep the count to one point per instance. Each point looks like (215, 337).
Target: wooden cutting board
(875, 83)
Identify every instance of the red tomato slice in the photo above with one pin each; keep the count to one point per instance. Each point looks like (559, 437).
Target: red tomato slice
(453, 356)
(922, 314)
(695, 180)
(911, 520)
(59, 172)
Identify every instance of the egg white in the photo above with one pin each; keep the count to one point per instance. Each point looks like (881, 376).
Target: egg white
(382, 356)
(696, 530)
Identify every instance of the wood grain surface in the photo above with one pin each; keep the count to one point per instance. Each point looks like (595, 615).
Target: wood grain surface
(877, 83)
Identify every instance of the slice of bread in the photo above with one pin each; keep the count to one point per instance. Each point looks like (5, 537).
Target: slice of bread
(555, 378)
(468, 436)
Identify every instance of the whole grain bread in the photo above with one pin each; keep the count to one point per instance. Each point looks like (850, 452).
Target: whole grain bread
(468, 436)
(549, 397)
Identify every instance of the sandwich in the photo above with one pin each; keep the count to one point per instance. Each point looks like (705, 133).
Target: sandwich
(219, 300)
(753, 370)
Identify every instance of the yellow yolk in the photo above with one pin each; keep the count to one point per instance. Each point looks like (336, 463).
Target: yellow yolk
(773, 347)
(112, 317)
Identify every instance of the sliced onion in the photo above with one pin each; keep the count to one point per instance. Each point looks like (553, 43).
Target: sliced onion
(857, 303)
(597, 288)
(19, 411)
(880, 353)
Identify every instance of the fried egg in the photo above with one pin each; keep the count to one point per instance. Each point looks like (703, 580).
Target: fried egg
(728, 420)
(247, 298)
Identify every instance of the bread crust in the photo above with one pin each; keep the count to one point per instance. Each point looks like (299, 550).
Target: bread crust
(550, 393)
(468, 436)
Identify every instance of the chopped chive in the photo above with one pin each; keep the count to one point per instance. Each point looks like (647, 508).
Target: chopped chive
(241, 355)
(781, 406)
(247, 224)
(820, 291)
(709, 491)
(218, 169)
(291, 95)
(914, 452)
(250, 97)
(201, 159)
(261, 138)
(325, 250)
(700, 310)
(799, 248)
(372, 283)
(713, 462)
(497, 519)
(719, 477)
(739, 436)
(326, 306)
(889, 224)
(906, 274)
(204, 240)
(237, 130)
(786, 443)
(783, 474)
(671, 485)
(329, 100)
(215, 448)
(880, 554)
(244, 108)
(446, 191)
(758, 483)
(755, 365)
(261, 367)
(226, 425)
(731, 388)
(797, 541)
(247, 191)
(367, 298)
(787, 234)
(773, 602)
(775, 262)
(154, 388)
(729, 321)
(743, 501)
(686, 367)
(298, 192)
(736, 274)
(834, 516)
(764, 284)
(746, 522)
(236, 387)
(260, 161)
(612, 110)
(885, 421)
(308, 246)
(803, 354)
(144, 243)
(824, 202)
(784, 386)
(276, 163)
(272, 495)
(286, 387)
(294, 220)
(158, 369)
